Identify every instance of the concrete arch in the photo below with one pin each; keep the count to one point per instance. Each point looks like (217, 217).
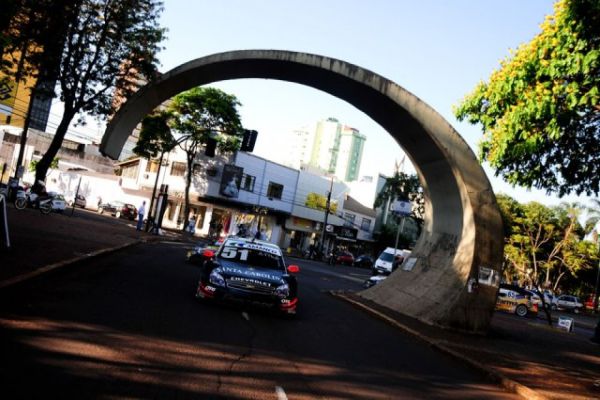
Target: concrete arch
(463, 230)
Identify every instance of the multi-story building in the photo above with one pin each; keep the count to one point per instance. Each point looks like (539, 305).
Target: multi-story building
(330, 148)
(14, 103)
(349, 154)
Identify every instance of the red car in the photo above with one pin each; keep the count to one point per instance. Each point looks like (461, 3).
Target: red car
(344, 257)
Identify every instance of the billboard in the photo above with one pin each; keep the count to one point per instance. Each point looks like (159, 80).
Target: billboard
(230, 181)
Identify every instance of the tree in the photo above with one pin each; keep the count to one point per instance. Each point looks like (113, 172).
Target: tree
(202, 114)
(155, 136)
(109, 49)
(402, 186)
(540, 111)
(32, 38)
(590, 228)
(319, 202)
(53, 164)
(546, 243)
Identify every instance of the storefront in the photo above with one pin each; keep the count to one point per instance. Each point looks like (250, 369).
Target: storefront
(300, 233)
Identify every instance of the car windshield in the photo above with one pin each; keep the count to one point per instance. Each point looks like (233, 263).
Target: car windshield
(252, 255)
(386, 257)
(59, 197)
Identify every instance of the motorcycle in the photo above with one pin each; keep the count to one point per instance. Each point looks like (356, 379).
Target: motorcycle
(28, 198)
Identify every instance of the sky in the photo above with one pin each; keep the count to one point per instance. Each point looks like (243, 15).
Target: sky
(438, 50)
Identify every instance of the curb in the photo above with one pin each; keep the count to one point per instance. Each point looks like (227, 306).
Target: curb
(509, 384)
(50, 267)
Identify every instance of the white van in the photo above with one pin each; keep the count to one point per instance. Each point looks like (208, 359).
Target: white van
(383, 264)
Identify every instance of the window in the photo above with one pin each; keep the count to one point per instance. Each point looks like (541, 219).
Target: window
(365, 224)
(247, 183)
(178, 169)
(274, 191)
(152, 166)
(130, 171)
(349, 218)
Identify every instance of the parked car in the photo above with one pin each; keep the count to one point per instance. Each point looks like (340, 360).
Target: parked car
(59, 204)
(386, 262)
(343, 257)
(78, 201)
(514, 302)
(536, 299)
(249, 270)
(363, 261)
(569, 303)
(118, 209)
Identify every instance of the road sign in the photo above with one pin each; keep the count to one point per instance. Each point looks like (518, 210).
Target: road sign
(401, 207)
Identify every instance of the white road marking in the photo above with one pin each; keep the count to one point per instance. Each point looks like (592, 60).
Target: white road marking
(246, 316)
(280, 393)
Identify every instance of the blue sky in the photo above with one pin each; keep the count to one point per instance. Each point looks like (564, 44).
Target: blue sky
(438, 50)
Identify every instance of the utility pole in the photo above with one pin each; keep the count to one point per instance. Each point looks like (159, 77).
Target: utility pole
(150, 211)
(327, 207)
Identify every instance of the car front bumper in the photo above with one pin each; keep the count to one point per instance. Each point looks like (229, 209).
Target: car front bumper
(208, 291)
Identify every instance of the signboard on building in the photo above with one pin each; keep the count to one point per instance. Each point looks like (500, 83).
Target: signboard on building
(346, 232)
(231, 180)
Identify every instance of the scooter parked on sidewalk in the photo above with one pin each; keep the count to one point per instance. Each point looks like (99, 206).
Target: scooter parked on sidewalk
(26, 198)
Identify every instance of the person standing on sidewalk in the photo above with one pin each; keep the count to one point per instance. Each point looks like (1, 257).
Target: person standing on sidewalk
(141, 212)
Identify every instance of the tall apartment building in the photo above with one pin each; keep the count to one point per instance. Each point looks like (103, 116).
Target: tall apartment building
(336, 149)
(349, 155)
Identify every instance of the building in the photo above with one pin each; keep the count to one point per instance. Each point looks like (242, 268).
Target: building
(328, 148)
(14, 103)
(76, 153)
(245, 193)
(349, 154)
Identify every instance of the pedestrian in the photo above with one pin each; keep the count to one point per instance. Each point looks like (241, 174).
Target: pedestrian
(141, 212)
(192, 225)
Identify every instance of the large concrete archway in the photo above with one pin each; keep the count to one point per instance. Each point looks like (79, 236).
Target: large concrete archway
(462, 236)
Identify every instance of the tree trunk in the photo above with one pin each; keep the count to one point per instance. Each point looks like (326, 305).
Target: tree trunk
(188, 183)
(44, 164)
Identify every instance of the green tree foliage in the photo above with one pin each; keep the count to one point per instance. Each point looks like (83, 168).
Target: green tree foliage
(540, 111)
(319, 202)
(53, 164)
(544, 244)
(109, 50)
(202, 114)
(155, 136)
(32, 39)
(406, 187)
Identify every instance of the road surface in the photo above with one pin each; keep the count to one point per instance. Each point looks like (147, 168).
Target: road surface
(127, 325)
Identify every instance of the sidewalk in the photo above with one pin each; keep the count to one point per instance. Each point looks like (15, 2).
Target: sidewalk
(531, 359)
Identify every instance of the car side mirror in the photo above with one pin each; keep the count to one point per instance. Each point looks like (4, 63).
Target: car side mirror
(293, 269)
(208, 253)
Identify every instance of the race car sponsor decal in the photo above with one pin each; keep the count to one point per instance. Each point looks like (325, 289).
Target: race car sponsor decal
(250, 280)
(251, 273)
(255, 246)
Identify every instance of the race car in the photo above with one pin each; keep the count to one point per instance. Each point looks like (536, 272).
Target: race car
(249, 270)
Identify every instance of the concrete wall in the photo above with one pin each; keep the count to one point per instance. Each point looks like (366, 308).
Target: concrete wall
(463, 228)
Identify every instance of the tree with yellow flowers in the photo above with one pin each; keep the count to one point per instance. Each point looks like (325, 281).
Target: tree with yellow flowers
(540, 111)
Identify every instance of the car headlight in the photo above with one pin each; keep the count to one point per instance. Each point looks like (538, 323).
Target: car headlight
(216, 279)
(283, 291)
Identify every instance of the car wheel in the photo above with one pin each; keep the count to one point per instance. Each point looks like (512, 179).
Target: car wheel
(118, 214)
(521, 310)
(576, 310)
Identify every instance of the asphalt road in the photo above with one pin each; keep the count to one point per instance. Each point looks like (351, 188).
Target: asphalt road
(128, 326)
